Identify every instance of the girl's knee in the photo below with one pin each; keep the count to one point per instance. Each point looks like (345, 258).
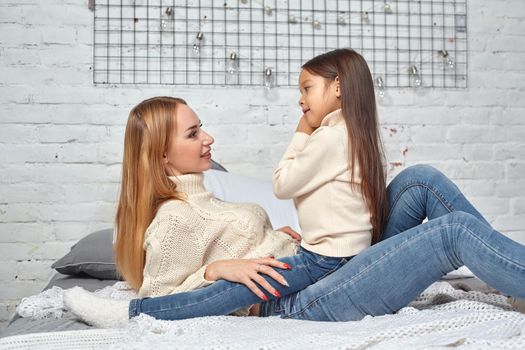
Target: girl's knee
(415, 174)
(421, 171)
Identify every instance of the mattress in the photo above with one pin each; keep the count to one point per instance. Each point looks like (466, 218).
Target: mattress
(68, 322)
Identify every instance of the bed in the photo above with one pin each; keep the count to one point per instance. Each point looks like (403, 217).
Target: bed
(459, 312)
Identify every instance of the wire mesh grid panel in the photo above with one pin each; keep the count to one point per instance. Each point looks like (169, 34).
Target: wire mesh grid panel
(407, 43)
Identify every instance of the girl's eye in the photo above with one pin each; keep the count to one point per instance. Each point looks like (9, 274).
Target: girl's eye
(193, 134)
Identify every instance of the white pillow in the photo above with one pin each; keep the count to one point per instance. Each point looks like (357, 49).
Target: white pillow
(237, 188)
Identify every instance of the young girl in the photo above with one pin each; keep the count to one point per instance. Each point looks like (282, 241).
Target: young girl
(338, 126)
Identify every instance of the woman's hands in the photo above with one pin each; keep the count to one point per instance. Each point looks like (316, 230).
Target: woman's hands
(290, 232)
(247, 272)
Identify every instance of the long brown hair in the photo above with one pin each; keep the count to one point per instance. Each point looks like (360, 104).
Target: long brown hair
(360, 113)
(144, 185)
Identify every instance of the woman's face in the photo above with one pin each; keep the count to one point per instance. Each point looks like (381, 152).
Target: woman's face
(189, 150)
(318, 97)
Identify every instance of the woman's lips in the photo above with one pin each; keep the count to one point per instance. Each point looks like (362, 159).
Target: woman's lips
(206, 155)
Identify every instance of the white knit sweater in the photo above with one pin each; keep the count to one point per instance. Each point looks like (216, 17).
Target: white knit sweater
(314, 171)
(186, 235)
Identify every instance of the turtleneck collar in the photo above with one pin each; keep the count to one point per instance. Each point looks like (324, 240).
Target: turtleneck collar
(189, 184)
(333, 118)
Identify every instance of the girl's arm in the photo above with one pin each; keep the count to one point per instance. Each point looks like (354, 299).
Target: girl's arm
(310, 162)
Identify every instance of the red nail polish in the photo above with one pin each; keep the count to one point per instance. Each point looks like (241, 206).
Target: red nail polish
(277, 294)
(265, 298)
(286, 266)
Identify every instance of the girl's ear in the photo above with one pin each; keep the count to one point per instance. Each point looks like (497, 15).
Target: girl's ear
(337, 87)
(165, 158)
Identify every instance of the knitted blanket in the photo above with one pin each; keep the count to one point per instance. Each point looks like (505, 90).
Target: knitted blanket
(440, 318)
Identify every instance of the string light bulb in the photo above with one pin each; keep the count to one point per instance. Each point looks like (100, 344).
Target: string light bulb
(268, 78)
(447, 59)
(415, 77)
(167, 21)
(388, 7)
(380, 87)
(365, 18)
(197, 43)
(233, 63)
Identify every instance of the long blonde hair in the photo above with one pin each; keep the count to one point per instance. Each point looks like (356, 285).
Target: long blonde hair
(144, 185)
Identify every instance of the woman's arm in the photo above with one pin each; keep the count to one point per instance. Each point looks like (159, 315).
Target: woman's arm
(174, 257)
(174, 262)
(247, 272)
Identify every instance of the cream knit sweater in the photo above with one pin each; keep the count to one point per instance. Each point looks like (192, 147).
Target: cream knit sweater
(186, 235)
(314, 171)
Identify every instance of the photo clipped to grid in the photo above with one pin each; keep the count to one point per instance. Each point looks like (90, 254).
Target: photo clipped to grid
(263, 43)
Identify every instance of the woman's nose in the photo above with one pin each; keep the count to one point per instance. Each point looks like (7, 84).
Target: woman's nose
(208, 139)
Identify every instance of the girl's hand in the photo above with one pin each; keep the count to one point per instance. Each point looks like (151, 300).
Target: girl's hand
(303, 126)
(290, 232)
(247, 272)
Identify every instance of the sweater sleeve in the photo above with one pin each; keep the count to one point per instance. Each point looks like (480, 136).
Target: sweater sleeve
(174, 258)
(309, 162)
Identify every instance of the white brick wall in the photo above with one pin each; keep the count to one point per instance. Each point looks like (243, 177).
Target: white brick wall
(61, 137)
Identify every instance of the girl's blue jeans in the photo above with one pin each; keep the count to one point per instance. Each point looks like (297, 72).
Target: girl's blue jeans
(383, 278)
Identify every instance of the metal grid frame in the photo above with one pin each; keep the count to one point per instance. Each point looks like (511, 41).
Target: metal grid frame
(141, 42)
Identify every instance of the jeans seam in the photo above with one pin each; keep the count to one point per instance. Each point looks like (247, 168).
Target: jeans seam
(309, 305)
(339, 264)
(433, 190)
(419, 236)
(211, 297)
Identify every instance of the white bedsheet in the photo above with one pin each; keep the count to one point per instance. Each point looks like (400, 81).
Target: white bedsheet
(441, 318)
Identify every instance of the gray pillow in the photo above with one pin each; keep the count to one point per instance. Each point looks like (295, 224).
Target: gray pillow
(92, 255)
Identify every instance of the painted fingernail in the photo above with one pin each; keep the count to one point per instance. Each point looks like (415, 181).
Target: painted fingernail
(286, 266)
(285, 282)
(264, 297)
(277, 294)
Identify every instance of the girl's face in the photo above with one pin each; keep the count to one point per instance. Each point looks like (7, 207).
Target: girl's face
(189, 150)
(319, 97)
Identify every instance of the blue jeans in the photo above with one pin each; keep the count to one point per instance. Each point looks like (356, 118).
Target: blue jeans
(411, 256)
(223, 297)
(386, 276)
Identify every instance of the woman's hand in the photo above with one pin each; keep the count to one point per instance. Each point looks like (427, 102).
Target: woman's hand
(247, 272)
(290, 232)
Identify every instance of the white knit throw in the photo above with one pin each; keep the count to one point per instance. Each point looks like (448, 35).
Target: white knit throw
(440, 318)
